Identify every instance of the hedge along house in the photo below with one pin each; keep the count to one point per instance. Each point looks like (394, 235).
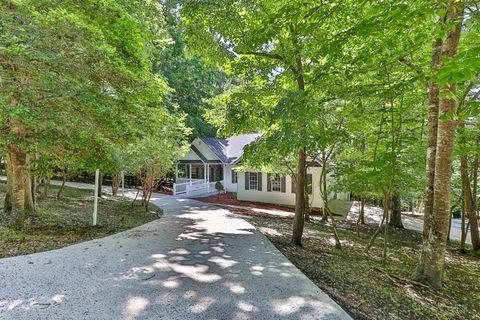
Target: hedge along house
(216, 159)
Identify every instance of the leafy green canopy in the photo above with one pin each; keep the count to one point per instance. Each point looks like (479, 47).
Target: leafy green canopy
(191, 79)
(341, 46)
(79, 78)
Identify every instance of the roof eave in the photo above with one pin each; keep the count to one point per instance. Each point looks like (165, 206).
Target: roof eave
(213, 151)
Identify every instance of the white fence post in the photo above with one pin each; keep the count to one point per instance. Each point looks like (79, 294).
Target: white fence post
(95, 198)
(174, 189)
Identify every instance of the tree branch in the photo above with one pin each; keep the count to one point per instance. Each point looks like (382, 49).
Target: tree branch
(412, 66)
(263, 54)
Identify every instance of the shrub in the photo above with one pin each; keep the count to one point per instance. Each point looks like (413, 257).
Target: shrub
(219, 186)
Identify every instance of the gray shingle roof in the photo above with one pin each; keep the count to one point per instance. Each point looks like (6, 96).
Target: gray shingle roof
(231, 149)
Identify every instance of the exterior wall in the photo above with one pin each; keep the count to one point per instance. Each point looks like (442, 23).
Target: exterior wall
(204, 149)
(192, 156)
(285, 198)
(227, 178)
(343, 196)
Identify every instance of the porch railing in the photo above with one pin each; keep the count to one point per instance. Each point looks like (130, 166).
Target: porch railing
(187, 180)
(193, 186)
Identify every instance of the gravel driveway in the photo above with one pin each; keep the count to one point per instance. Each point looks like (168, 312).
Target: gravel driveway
(197, 262)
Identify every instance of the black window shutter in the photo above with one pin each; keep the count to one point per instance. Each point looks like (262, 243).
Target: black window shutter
(259, 181)
(247, 180)
(293, 185)
(283, 185)
(269, 182)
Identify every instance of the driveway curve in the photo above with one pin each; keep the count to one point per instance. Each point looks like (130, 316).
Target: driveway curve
(197, 262)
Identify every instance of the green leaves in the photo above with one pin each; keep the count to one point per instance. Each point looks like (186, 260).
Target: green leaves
(80, 81)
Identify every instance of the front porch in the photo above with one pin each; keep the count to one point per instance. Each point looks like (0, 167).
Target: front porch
(193, 177)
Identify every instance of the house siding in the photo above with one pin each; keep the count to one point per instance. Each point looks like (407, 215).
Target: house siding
(285, 198)
(229, 186)
(204, 149)
(201, 153)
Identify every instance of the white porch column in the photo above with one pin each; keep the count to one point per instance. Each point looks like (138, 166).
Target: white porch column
(207, 173)
(224, 178)
(190, 171)
(95, 197)
(204, 172)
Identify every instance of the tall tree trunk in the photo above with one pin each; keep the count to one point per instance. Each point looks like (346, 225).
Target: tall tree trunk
(464, 233)
(62, 187)
(298, 221)
(35, 181)
(386, 210)
(430, 269)
(475, 178)
(468, 196)
(307, 205)
(449, 228)
(18, 200)
(115, 183)
(361, 217)
(326, 209)
(46, 184)
(323, 187)
(380, 226)
(433, 103)
(8, 201)
(396, 216)
(34, 190)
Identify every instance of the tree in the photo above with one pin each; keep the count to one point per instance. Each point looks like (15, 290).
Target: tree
(162, 142)
(192, 80)
(439, 156)
(104, 76)
(396, 215)
(268, 46)
(469, 182)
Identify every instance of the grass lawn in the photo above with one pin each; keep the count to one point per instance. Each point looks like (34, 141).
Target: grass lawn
(58, 223)
(367, 289)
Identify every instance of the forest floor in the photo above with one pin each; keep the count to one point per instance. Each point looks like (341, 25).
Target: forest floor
(61, 222)
(366, 288)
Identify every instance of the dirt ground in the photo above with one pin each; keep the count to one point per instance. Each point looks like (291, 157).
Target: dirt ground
(65, 221)
(367, 288)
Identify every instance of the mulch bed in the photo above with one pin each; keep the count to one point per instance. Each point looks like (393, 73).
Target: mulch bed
(247, 212)
(227, 198)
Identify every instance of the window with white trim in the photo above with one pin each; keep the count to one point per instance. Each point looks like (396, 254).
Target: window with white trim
(253, 181)
(276, 183)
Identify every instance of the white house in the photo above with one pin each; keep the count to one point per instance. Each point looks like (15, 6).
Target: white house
(213, 159)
